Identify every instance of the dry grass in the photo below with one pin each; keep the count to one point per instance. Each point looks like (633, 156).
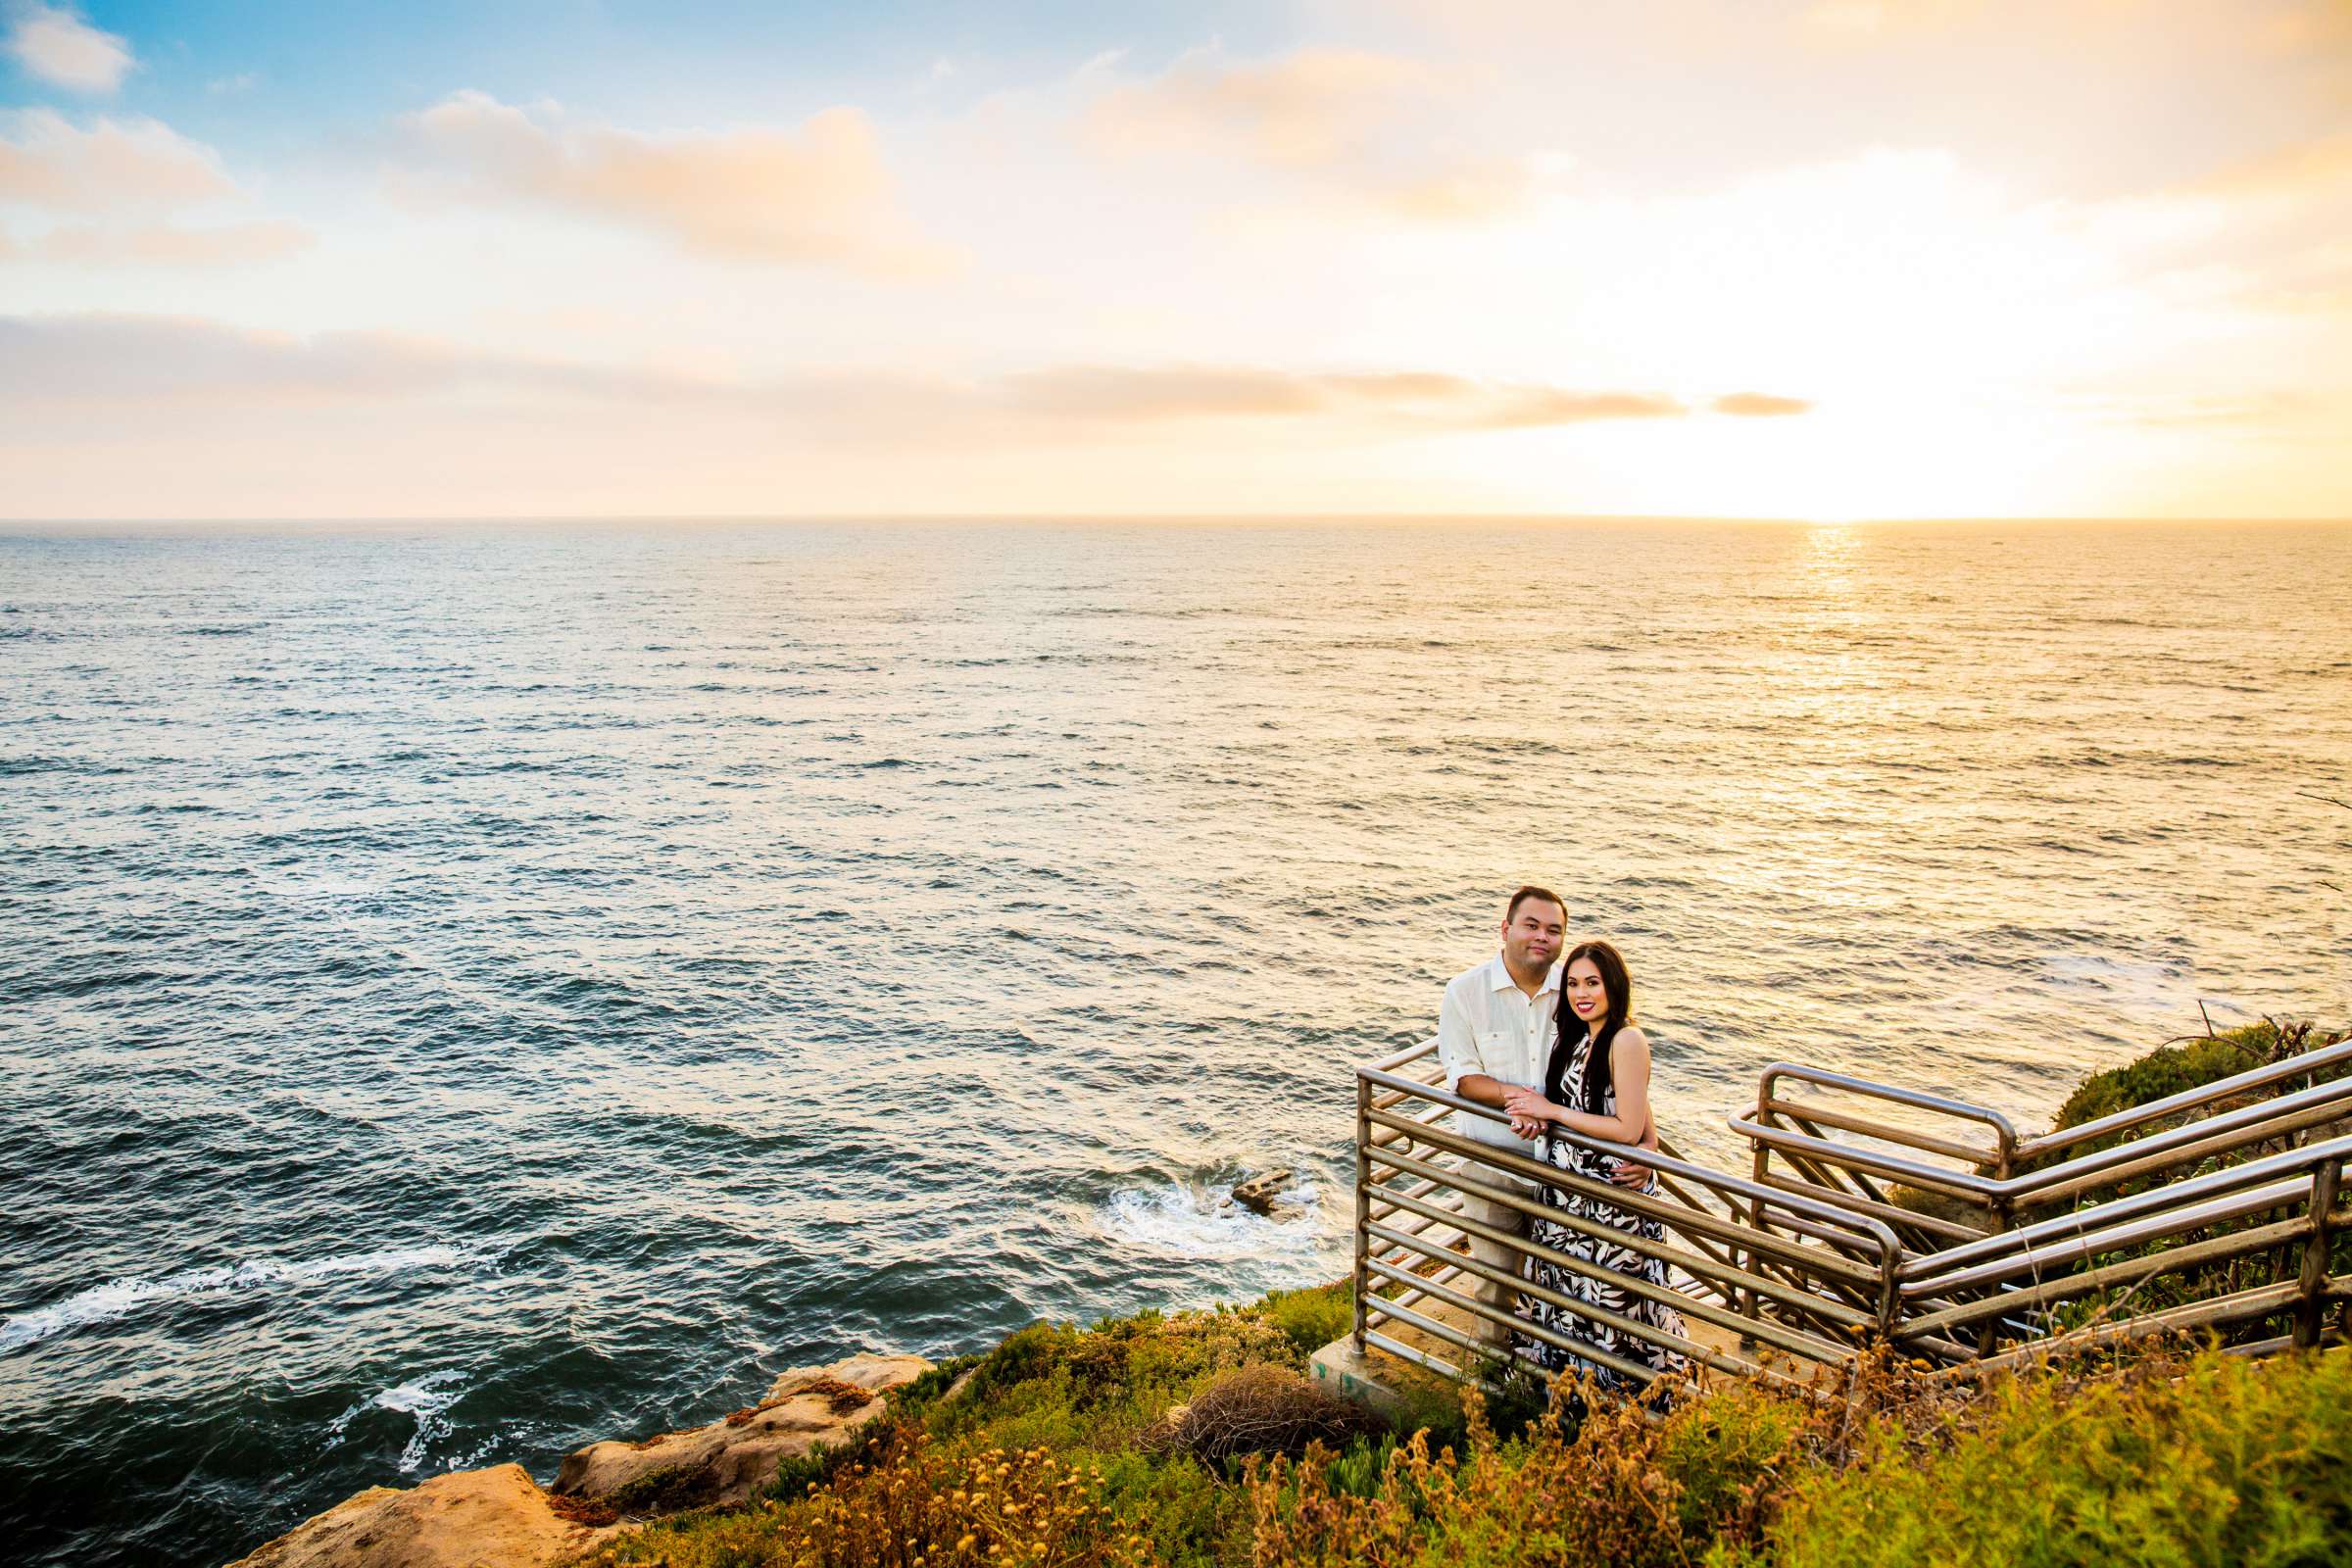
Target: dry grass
(1257, 1409)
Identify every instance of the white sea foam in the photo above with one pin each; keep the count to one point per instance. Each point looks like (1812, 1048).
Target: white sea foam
(103, 1303)
(1188, 1221)
(423, 1400)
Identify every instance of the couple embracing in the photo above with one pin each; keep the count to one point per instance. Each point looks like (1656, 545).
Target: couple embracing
(1550, 1041)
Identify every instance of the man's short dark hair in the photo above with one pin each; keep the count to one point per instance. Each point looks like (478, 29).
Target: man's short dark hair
(1531, 891)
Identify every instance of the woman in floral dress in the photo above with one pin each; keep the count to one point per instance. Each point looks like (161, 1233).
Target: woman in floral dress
(1597, 1084)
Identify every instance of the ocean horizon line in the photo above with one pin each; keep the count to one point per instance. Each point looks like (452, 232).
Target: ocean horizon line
(88, 527)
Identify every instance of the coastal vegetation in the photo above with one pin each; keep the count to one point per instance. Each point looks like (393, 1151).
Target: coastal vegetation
(1196, 1438)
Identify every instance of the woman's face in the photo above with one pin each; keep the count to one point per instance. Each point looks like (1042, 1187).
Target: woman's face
(1584, 993)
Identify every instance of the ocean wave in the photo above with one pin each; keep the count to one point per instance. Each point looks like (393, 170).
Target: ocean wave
(119, 1298)
(1184, 1220)
(423, 1401)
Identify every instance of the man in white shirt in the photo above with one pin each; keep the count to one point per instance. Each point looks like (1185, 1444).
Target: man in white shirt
(1496, 1030)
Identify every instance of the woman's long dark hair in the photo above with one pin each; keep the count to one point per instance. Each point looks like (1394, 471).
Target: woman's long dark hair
(1620, 986)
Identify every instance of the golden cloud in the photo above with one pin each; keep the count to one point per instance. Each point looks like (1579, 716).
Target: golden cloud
(47, 161)
(1313, 107)
(1760, 405)
(99, 359)
(820, 195)
(1358, 125)
(168, 245)
(1428, 400)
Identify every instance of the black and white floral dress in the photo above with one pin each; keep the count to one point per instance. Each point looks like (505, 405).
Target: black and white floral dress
(1565, 1086)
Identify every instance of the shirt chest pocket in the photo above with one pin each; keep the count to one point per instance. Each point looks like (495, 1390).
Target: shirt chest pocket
(1503, 1055)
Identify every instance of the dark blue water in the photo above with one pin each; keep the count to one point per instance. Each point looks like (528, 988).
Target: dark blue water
(471, 992)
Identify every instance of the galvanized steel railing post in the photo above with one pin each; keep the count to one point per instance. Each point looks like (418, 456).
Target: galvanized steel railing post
(1749, 1304)
(1363, 1203)
(2314, 1280)
(2004, 1215)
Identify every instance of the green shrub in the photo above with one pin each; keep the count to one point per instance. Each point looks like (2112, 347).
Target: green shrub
(2223, 1462)
(1310, 1319)
(2168, 1070)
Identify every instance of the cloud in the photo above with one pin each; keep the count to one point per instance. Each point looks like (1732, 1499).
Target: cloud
(168, 245)
(2269, 410)
(1312, 108)
(46, 161)
(1373, 128)
(1760, 405)
(225, 86)
(1395, 400)
(128, 170)
(2299, 172)
(140, 359)
(819, 196)
(56, 46)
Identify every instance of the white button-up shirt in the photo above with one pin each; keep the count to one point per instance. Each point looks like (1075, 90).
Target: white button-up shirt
(1487, 1024)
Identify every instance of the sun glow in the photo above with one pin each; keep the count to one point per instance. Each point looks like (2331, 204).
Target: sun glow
(1482, 261)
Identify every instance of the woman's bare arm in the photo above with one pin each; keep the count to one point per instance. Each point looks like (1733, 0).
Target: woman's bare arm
(1628, 1070)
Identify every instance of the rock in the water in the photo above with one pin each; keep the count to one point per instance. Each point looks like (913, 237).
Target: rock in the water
(728, 1460)
(1262, 1193)
(494, 1518)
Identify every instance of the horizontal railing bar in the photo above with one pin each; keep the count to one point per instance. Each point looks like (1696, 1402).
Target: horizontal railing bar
(1917, 1100)
(1397, 1060)
(1538, 1171)
(1591, 1352)
(2290, 1163)
(1442, 1244)
(1408, 1298)
(2179, 1146)
(2189, 1098)
(1569, 1342)
(1435, 1364)
(1701, 1268)
(1687, 1347)
(2045, 1292)
(1424, 1188)
(1793, 1341)
(1811, 1258)
(2217, 1134)
(1894, 1214)
(1961, 1183)
(2261, 1348)
(1883, 1131)
(2066, 1252)
(2260, 1302)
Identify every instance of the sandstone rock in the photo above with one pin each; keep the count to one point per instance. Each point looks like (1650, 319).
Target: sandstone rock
(728, 1460)
(872, 1373)
(494, 1518)
(1261, 1194)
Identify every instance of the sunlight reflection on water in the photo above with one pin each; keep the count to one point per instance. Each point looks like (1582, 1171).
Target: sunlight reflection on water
(740, 946)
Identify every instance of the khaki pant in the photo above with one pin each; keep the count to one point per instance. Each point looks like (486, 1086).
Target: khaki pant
(1504, 1298)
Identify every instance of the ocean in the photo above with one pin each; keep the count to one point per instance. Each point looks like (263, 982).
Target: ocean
(468, 991)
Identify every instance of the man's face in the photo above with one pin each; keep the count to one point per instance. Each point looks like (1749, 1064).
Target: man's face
(1531, 939)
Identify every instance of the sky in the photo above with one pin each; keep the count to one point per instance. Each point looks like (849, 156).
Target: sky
(1830, 259)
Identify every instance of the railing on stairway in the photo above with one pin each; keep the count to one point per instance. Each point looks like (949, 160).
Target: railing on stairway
(1972, 1254)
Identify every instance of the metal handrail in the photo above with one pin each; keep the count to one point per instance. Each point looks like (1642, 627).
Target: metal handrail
(1825, 1274)
(2189, 1098)
(1801, 1263)
(2197, 1194)
(1871, 1089)
(1535, 1170)
(2016, 1150)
